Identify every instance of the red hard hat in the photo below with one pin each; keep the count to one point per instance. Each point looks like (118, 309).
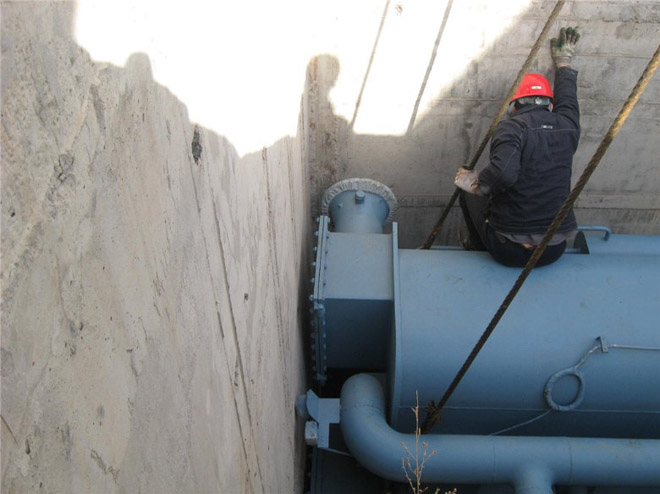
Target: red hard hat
(533, 85)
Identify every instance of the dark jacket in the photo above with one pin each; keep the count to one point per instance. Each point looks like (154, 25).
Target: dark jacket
(531, 156)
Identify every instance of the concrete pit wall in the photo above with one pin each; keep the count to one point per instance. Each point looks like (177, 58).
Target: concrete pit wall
(411, 88)
(152, 276)
(152, 282)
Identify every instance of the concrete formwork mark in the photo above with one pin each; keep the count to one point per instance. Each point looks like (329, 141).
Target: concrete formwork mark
(618, 40)
(274, 267)
(277, 273)
(240, 414)
(123, 227)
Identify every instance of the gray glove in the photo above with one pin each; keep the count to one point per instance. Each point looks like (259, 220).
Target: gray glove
(563, 48)
(468, 180)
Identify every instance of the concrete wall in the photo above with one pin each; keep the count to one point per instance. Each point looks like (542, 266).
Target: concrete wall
(152, 281)
(411, 88)
(155, 209)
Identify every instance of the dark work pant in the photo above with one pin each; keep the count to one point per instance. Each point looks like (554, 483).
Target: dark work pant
(503, 250)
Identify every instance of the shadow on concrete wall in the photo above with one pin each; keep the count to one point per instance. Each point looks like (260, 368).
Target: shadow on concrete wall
(154, 283)
(248, 209)
(419, 166)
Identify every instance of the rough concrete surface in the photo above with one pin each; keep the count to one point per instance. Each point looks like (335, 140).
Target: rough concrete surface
(153, 278)
(441, 119)
(151, 282)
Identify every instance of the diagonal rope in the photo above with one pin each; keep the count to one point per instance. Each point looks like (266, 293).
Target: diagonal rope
(435, 411)
(500, 114)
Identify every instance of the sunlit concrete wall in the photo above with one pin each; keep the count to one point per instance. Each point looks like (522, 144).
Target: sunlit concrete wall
(152, 277)
(410, 89)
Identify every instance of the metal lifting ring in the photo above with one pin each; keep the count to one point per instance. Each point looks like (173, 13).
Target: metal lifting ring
(549, 386)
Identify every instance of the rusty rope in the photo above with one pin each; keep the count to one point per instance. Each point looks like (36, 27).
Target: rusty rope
(500, 114)
(435, 411)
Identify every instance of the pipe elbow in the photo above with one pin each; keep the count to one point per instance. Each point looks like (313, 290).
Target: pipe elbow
(366, 432)
(531, 464)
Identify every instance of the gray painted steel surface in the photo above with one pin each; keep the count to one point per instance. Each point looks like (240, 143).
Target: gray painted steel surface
(531, 464)
(448, 298)
(566, 391)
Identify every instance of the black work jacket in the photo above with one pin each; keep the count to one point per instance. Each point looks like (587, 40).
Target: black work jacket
(531, 157)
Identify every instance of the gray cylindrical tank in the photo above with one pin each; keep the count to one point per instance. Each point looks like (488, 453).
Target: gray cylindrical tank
(585, 331)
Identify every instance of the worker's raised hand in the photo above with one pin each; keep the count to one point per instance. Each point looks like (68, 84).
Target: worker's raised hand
(467, 180)
(563, 48)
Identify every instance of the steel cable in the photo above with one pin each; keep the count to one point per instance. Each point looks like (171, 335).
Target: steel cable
(500, 114)
(434, 411)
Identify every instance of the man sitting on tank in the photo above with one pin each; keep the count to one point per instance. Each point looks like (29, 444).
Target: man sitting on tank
(510, 204)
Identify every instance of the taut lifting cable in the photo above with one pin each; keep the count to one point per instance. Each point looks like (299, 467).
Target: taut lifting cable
(435, 411)
(500, 114)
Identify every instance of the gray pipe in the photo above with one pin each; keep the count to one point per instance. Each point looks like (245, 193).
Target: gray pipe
(531, 464)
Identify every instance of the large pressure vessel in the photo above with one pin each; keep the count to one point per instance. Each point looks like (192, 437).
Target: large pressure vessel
(576, 354)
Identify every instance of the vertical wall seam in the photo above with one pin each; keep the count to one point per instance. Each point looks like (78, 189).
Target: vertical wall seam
(234, 332)
(275, 272)
(239, 356)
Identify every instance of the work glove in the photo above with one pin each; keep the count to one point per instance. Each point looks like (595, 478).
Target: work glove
(468, 180)
(563, 48)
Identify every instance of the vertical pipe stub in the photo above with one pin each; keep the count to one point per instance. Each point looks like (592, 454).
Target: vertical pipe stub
(359, 205)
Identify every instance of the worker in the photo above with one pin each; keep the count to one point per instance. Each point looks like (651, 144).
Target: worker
(510, 204)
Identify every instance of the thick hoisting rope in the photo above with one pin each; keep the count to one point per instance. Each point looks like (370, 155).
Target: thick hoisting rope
(434, 411)
(500, 114)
